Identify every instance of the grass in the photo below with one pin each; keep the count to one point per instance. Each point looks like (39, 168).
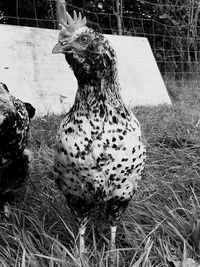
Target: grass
(161, 226)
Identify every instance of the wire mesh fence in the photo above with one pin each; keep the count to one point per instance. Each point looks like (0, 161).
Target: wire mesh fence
(171, 26)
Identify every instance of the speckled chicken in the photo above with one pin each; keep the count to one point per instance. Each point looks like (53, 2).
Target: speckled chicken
(14, 126)
(99, 154)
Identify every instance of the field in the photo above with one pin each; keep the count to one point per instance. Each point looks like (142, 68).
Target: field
(161, 226)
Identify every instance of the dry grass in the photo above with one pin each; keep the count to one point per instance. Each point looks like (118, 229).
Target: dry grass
(161, 226)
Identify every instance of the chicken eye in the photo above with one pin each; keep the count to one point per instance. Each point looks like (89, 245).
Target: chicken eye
(85, 39)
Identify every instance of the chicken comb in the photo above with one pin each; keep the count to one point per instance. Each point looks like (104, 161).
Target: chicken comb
(69, 24)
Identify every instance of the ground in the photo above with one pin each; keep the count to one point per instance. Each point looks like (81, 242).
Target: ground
(161, 226)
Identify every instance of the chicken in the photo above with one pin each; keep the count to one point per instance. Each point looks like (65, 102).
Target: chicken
(14, 160)
(99, 154)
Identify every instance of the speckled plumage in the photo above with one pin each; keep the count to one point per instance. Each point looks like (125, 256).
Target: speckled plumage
(99, 154)
(14, 126)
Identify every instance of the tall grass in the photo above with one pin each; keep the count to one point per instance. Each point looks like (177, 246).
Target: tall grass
(161, 226)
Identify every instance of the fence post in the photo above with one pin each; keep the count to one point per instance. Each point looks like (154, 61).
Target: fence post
(119, 10)
(58, 13)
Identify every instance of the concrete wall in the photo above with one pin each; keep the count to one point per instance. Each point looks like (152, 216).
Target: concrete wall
(34, 74)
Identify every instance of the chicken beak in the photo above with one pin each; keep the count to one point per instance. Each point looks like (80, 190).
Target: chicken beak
(58, 48)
